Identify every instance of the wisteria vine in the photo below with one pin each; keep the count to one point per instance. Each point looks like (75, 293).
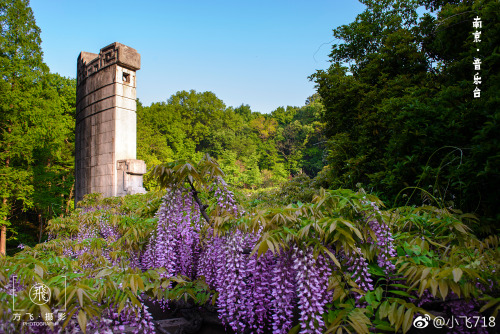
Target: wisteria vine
(255, 294)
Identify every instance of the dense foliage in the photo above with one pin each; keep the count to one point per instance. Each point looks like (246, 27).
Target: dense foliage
(37, 129)
(400, 110)
(253, 149)
(338, 263)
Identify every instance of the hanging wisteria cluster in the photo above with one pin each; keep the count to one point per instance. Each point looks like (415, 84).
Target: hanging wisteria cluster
(384, 243)
(284, 285)
(358, 265)
(225, 197)
(175, 243)
(259, 293)
(133, 318)
(255, 293)
(312, 282)
(98, 227)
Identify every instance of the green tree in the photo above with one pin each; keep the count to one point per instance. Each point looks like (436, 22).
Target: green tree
(264, 126)
(284, 116)
(399, 104)
(21, 67)
(299, 140)
(314, 148)
(200, 112)
(37, 126)
(245, 111)
(53, 155)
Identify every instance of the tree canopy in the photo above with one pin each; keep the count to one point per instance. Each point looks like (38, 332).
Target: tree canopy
(254, 149)
(399, 105)
(36, 122)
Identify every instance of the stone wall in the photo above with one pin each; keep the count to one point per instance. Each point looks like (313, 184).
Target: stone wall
(106, 123)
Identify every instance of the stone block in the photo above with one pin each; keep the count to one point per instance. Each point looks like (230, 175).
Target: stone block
(127, 91)
(125, 134)
(174, 325)
(87, 57)
(106, 148)
(100, 170)
(94, 182)
(98, 95)
(125, 103)
(93, 83)
(108, 126)
(98, 107)
(105, 137)
(108, 115)
(93, 160)
(101, 159)
(132, 166)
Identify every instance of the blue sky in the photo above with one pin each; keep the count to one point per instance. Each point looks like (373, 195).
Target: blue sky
(252, 52)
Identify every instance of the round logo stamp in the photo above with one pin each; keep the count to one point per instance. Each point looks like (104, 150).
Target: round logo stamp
(40, 294)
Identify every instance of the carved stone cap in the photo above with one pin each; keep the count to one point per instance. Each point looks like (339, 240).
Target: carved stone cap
(126, 56)
(116, 53)
(132, 166)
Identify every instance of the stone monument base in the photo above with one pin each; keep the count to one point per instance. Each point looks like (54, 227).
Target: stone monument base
(129, 177)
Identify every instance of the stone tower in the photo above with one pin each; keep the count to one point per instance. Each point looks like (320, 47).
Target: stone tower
(106, 123)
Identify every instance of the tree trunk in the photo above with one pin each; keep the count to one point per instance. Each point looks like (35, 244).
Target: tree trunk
(200, 205)
(3, 234)
(3, 240)
(70, 198)
(40, 220)
(3, 228)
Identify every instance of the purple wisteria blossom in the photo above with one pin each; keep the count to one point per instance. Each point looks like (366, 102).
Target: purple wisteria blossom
(312, 282)
(175, 244)
(358, 265)
(384, 242)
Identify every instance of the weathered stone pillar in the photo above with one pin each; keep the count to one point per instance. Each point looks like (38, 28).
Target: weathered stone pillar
(106, 123)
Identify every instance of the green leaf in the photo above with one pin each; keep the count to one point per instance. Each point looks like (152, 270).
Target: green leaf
(82, 321)
(44, 309)
(491, 303)
(369, 297)
(397, 285)
(378, 293)
(443, 288)
(330, 254)
(425, 272)
(408, 319)
(385, 327)
(104, 272)
(264, 246)
(401, 293)
(457, 274)
(294, 330)
(434, 285)
(399, 316)
(79, 293)
(384, 309)
(270, 243)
